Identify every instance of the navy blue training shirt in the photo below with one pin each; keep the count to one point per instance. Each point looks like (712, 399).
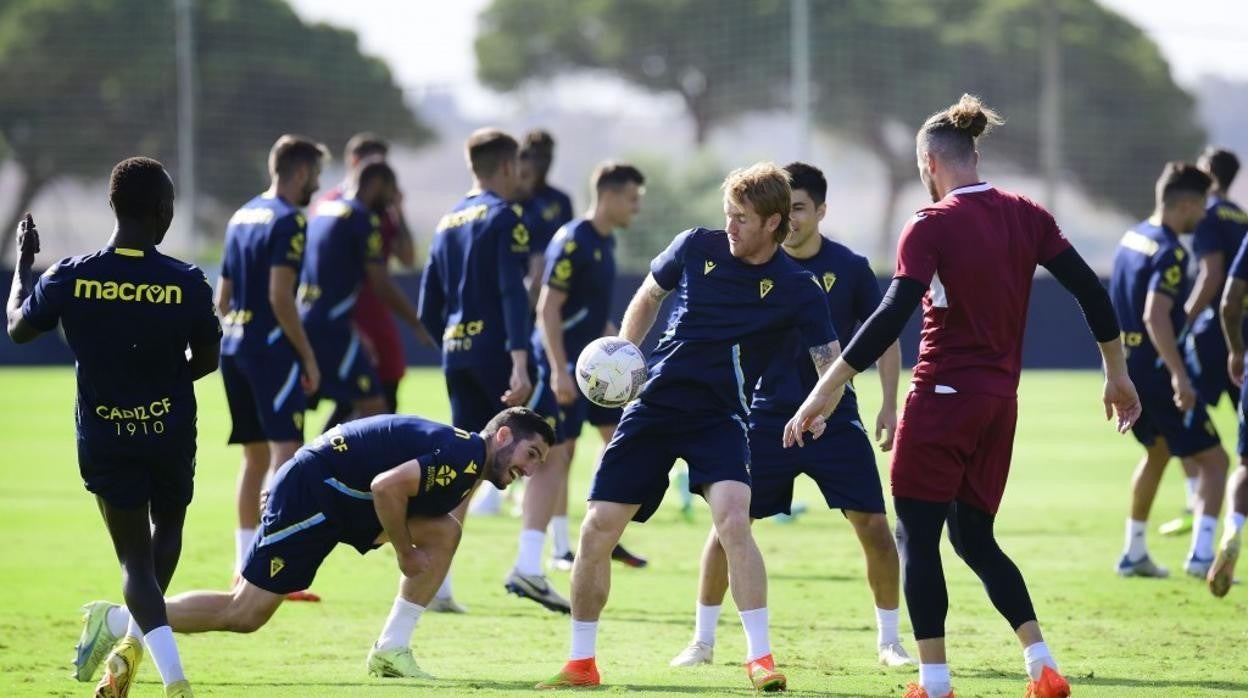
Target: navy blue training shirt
(581, 263)
(1223, 229)
(128, 316)
(348, 457)
(472, 294)
(549, 209)
(728, 320)
(852, 294)
(343, 237)
(1149, 258)
(266, 232)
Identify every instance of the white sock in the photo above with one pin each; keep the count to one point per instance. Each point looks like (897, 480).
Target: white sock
(1135, 547)
(132, 628)
(704, 624)
(1192, 484)
(934, 678)
(886, 622)
(1037, 657)
(444, 591)
(529, 552)
(164, 653)
(1202, 538)
(561, 544)
(242, 543)
(1235, 521)
(757, 640)
(584, 639)
(117, 620)
(400, 624)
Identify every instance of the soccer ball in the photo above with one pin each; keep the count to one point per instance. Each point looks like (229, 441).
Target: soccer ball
(611, 371)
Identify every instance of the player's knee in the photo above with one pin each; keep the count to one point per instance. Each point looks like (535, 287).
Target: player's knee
(875, 534)
(732, 526)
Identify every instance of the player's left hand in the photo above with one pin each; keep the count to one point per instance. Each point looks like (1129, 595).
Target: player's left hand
(519, 388)
(1235, 368)
(811, 417)
(886, 428)
(1120, 397)
(27, 240)
(564, 387)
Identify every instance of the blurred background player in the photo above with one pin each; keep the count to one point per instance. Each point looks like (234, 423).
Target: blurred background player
(1149, 285)
(473, 300)
(1224, 167)
(573, 309)
(372, 318)
(737, 296)
(345, 254)
(544, 210)
(129, 313)
(842, 462)
(1214, 243)
(970, 257)
(392, 478)
(267, 363)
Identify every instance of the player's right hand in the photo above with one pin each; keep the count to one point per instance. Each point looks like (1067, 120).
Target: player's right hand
(1184, 393)
(311, 378)
(564, 387)
(1120, 398)
(518, 388)
(811, 417)
(27, 240)
(1235, 368)
(414, 561)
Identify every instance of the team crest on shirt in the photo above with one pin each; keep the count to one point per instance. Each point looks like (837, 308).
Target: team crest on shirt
(569, 247)
(276, 565)
(708, 267)
(829, 280)
(440, 476)
(764, 287)
(471, 469)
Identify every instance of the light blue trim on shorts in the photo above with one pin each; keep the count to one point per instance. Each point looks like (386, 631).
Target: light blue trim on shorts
(292, 529)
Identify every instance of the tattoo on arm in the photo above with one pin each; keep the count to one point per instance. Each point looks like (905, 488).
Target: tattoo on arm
(654, 290)
(824, 354)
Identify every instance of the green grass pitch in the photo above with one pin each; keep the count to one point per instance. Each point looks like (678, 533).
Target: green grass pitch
(1062, 522)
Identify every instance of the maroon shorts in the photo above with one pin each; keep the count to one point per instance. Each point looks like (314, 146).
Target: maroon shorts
(376, 324)
(954, 446)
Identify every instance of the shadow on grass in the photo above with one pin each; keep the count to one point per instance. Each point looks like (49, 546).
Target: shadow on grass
(456, 685)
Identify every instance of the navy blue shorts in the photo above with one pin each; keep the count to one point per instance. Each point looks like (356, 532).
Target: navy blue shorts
(265, 398)
(646, 445)
(1186, 434)
(1205, 355)
(295, 535)
(567, 420)
(158, 475)
(476, 394)
(841, 462)
(602, 416)
(347, 374)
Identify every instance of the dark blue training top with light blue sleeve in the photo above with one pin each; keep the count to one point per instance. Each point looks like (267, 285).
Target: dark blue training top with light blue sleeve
(345, 460)
(266, 232)
(343, 237)
(472, 294)
(728, 320)
(852, 293)
(1223, 229)
(1149, 258)
(128, 315)
(581, 263)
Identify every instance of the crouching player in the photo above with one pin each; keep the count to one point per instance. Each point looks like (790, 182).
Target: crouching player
(397, 478)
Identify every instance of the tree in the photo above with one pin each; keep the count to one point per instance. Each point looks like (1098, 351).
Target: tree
(879, 67)
(714, 54)
(89, 82)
